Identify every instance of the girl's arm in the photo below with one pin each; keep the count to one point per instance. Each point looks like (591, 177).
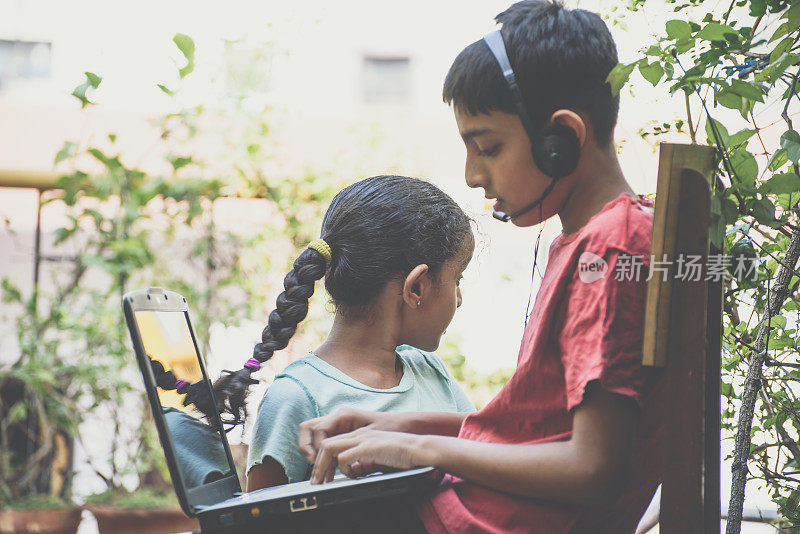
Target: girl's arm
(273, 457)
(587, 468)
(265, 475)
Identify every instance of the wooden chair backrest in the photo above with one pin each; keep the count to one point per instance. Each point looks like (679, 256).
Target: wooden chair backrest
(683, 335)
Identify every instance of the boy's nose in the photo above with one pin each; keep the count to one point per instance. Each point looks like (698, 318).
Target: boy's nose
(474, 174)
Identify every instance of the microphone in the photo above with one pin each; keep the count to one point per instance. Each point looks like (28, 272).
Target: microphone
(505, 217)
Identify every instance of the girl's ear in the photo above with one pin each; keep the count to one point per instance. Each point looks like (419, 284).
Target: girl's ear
(416, 286)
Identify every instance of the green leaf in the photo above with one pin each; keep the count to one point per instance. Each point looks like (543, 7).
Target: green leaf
(678, 29)
(721, 130)
(788, 200)
(779, 321)
(717, 231)
(716, 205)
(93, 79)
(180, 162)
(777, 160)
(166, 90)
(110, 163)
(747, 90)
(782, 30)
(764, 211)
(728, 99)
(11, 292)
(782, 183)
(62, 234)
(740, 137)
(744, 165)
(98, 155)
(714, 31)
(730, 209)
(186, 45)
(781, 343)
(747, 107)
(654, 50)
(775, 70)
(792, 16)
(652, 73)
(726, 389)
(618, 76)
(92, 82)
(67, 151)
(790, 141)
(80, 93)
(758, 8)
(780, 49)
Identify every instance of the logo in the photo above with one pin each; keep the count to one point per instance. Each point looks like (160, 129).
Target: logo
(591, 267)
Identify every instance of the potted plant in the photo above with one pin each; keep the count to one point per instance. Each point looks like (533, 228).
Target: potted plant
(40, 515)
(151, 506)
(145, 510)
(74, 356)
(39, 416)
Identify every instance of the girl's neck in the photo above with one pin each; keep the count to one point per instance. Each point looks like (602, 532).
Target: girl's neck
(364, 350)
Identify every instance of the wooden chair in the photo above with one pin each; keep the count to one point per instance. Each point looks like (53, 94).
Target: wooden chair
(683, 331)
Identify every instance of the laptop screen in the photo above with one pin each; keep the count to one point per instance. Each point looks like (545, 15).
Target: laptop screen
(184, 395)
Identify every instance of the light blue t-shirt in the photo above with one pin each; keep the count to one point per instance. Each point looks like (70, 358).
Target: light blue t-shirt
(201, 455)
(310, 387)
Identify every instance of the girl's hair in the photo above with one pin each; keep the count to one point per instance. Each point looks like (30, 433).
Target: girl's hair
(195, 394)
(378, 229)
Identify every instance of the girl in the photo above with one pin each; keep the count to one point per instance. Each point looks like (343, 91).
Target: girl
(392, 251)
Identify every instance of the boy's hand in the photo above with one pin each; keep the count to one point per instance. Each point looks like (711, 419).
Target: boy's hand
(365, 451)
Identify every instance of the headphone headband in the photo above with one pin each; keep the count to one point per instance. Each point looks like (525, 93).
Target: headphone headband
(555, 148)
(497, 47)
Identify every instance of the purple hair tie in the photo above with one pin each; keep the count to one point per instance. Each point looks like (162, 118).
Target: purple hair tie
(179, 384)
(252, 364)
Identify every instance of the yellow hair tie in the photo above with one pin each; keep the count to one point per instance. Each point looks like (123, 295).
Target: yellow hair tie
(323, 248)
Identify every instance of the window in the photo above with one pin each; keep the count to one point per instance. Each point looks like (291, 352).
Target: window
(23, 60)
(386, 79)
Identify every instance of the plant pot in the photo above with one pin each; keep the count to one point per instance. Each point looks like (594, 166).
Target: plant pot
(113, 520)
(40, 521)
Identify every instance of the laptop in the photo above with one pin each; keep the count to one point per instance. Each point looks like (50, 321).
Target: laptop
(195, 445)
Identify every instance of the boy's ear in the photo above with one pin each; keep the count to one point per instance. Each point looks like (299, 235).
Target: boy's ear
(416, 285)
(574, 121)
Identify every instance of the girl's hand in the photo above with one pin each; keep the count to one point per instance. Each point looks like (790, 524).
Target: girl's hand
(314, 431)
(365, 451)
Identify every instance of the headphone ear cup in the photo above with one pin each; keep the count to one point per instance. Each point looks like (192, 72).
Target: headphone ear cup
(556, 151)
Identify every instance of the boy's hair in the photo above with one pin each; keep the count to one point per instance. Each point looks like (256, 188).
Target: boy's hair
(378, 229)
(561, 58)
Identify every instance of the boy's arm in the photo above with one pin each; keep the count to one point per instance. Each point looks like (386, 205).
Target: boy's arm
(343, 420)
(587, 468)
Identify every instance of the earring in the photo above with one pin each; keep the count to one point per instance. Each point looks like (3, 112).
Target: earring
(419, 303)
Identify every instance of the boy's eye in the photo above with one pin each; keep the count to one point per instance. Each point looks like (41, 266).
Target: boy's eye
(489, 152)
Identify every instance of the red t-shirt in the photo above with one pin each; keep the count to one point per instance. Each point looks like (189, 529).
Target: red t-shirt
(585, 326)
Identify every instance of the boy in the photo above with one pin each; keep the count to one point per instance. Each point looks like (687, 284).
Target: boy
(571, 443)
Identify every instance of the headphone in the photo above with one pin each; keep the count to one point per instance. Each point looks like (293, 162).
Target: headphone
(555, 148)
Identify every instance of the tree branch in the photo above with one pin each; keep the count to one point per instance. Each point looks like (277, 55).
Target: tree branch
(752, 384)
(785, 438)
(692, 133)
